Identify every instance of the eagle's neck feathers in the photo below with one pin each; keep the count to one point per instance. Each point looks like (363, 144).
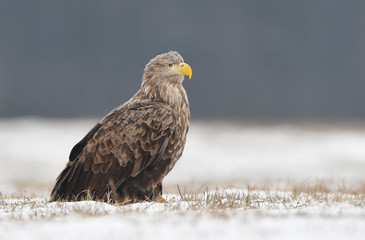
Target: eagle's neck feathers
(169, 91)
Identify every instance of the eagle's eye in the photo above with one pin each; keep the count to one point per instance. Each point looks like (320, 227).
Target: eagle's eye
(169, 65)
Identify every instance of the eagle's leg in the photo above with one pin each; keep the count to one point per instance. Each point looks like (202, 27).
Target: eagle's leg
(157, 194)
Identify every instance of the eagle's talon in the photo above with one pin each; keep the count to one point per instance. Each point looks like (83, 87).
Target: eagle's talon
(160, 199)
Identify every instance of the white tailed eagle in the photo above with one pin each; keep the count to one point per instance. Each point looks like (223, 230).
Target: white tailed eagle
(126, 155)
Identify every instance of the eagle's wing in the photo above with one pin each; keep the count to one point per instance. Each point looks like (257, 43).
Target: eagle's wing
(120, 146)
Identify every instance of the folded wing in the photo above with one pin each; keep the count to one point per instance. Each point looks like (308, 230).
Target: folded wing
(120, 146)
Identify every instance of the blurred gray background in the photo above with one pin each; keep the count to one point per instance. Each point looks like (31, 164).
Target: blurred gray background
(250, 59)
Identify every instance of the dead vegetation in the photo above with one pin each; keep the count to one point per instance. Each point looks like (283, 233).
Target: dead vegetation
(265, 199)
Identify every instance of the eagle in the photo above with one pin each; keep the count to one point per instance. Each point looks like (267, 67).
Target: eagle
(125, 156)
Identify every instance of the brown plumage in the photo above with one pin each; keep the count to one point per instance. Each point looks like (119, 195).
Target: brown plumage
(125, 157)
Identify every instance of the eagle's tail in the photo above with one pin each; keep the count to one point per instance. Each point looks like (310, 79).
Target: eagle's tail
(62, 190)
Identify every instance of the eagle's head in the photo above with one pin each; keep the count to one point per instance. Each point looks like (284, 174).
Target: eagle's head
(166, 68)
(163, 75)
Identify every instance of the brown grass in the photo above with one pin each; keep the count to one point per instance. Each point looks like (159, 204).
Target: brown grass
(218, 201)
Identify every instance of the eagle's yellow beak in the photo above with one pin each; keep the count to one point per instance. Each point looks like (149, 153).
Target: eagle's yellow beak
(183, 68)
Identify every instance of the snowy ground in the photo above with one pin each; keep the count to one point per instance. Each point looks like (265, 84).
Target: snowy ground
(238, 180)
(215, 214)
